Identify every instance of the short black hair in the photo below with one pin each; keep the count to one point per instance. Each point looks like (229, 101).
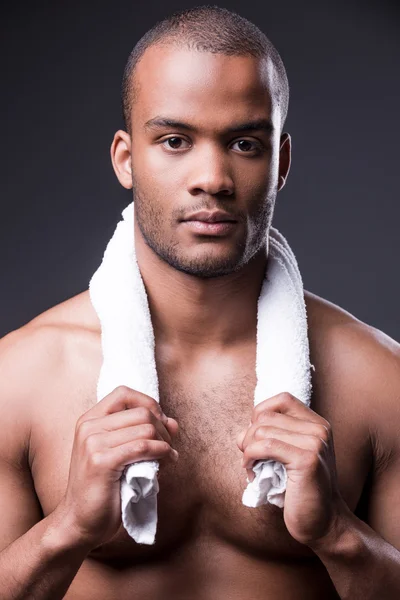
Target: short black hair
(207, 29)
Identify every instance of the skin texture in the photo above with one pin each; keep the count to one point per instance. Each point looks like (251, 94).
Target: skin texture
(208, 544)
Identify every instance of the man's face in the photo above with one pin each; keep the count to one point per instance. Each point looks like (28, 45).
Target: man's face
(203, 159)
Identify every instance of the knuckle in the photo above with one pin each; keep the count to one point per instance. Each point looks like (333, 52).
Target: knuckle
(261, 432)
(327, 426)
(82, 426)
(96, 460)
(318, 444)
(262, 415)
(83, 431)
(144, 413)
(164, 450)
(122, 391)
(150, 431)
(258, 433)
(259, 409)
(141, 446)
(324, 432)
(267, 415)
(166, 447)
(90, 444)
(270, 443)
(286, 396)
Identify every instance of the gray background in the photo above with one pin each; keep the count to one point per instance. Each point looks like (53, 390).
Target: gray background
(61, 69)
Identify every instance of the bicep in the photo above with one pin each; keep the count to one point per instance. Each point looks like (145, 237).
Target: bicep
(383, 503)
(383, 382)
(19, 506)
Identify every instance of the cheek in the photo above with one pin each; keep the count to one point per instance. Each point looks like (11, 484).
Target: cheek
(160, 176)
(254, 189)
(254, 178)
(153, 162)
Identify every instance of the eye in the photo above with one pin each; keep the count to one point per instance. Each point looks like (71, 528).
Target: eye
(174, 143)
(247, 146)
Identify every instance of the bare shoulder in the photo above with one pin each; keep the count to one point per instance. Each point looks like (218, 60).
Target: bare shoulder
(36, 355)
(340, 338)
(75, 313)
(44, 342)
(356, 366)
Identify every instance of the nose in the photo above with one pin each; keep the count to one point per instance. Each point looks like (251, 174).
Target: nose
(211, 173)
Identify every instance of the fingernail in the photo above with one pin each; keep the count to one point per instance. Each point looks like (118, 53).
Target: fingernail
(175, 453)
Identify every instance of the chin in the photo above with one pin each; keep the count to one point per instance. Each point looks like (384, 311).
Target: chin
(208, 267)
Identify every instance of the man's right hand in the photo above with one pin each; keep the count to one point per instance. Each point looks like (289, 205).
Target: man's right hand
(124, 427)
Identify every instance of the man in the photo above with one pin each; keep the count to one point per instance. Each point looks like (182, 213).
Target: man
(205, 100)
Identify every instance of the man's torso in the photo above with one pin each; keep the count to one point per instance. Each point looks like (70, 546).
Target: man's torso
(208, 544)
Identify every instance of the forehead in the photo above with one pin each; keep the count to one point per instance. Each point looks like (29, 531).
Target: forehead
(204, 87)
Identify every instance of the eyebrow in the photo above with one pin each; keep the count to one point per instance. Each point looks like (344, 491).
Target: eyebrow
(163, 122)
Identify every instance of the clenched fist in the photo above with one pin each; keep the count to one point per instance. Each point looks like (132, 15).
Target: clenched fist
(124, 427)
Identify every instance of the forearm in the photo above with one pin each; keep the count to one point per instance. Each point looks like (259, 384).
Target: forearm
(41, 564)
(361, 564)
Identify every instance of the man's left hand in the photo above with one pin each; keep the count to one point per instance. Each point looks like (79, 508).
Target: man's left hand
(284, 429)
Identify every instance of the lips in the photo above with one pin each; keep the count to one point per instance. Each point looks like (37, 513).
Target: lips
(207, 228)
(211, 217)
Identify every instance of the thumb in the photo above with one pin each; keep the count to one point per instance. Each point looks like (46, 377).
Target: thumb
(172, 426)
(240, 438)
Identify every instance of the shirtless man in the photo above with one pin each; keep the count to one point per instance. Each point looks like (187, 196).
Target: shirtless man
(62, 454)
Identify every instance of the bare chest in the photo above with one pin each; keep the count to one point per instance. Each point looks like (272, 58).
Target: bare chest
(201, 495)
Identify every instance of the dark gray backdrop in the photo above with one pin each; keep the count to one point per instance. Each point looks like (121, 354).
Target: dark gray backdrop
(60, 106)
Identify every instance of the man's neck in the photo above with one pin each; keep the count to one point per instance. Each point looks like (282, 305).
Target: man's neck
(190, 314)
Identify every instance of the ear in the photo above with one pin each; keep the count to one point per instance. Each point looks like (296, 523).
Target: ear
(285, 156)
(121, 158)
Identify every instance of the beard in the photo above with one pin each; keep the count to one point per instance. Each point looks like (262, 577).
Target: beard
(207, 264)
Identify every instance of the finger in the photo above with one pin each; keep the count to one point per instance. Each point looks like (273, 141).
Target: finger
(288, 404)
(128, 418)
(274, 420)
(123, 398)
(240, 438)
(285, 444)
(172, 426)
(137, 450)
(145, 431)
(250, 474)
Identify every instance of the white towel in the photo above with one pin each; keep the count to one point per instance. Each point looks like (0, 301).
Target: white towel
(119, 297)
